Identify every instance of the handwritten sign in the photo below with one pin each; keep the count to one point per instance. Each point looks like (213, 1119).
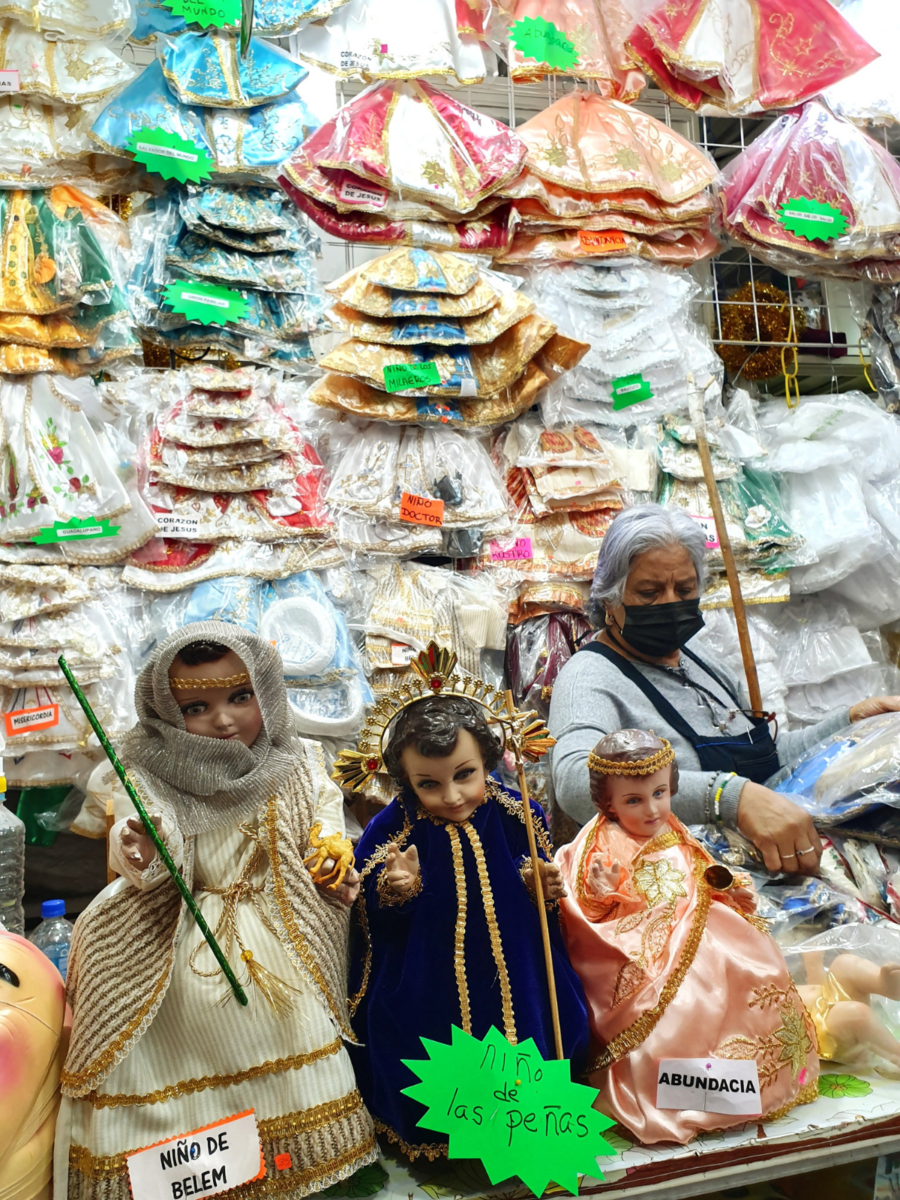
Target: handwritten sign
(207, 1161)
(708, 525)
(207, 12)
(812, 219)
(75, 530)
(502, 551)
(521, 1115)
(538, 38)
(594, 240)
(722, 1085)
(421, 510)
(630, 389)
(400, 376)
(24, 720)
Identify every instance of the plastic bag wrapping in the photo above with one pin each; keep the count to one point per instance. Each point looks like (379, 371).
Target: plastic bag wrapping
(812, 150)
(875, 309)
(870, 96)
(536, 651)
(271, 18)
(732, 53)
(718, 642)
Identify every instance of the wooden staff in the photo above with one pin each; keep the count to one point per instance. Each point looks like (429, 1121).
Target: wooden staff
(698, 419)
(538, 886)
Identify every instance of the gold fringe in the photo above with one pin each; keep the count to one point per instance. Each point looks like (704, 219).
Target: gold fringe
(412, 1152)
(459, 950)
(509, 1020)
(310, 1118)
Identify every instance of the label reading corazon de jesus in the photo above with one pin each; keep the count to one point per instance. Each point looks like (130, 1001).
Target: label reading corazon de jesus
(207, 1161)
(722, 1085)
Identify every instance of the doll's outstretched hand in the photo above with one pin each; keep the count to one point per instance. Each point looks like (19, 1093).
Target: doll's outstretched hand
(603, 878)
(551, 880)
(136, 845)
(401, 869)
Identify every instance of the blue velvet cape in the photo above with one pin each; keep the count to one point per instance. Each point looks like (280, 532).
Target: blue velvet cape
(409, 979)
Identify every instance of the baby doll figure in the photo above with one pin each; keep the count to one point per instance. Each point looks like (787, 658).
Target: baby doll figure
(839, 1002)
(450, 933)
(674, 964)
(159, 1045)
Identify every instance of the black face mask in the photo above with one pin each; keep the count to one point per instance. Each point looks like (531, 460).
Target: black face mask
(656, 630)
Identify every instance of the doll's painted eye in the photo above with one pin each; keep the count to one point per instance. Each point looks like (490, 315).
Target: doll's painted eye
(8, 975)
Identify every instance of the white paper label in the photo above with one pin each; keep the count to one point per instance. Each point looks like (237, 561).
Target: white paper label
(9, 81)
(173, 525)
(355, 193)
(202, 298)
(708, 525)
(468, 387)
(203, 1163)
(822, 218)
(401, 654)
(721, 1085)
(165, 151)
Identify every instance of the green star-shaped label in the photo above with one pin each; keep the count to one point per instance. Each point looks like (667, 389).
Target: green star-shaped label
(400, 376)
(506, 1105)
(75, 530)
(537, 38)
(812, 219)
(169, 155)
(207, 303)
(630, 389)
(206, 12)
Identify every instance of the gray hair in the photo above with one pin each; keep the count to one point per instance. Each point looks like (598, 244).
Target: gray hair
(644, 527)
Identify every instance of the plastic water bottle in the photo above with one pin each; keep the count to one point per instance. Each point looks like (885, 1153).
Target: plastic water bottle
(54, 934)
(12, 867)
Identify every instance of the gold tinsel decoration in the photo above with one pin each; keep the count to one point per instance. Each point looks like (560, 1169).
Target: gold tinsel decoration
(771, 307)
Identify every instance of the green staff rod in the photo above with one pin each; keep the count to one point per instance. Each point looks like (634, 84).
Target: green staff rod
(152, 831)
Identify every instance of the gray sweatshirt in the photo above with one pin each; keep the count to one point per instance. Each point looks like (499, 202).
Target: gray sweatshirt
(592, 697)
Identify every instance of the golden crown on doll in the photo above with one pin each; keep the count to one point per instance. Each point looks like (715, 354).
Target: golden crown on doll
(523, 732)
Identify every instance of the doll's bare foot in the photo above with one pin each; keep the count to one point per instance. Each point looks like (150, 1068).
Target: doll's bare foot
(890, 981)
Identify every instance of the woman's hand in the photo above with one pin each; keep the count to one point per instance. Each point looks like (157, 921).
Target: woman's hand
(401, 869)
(603, 878)
(137, 847)
(347, 890)
(873, 706)
(551, 880)
(781, 831)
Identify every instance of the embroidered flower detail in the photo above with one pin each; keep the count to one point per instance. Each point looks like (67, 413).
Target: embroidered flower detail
(434, 173)
(57, 454)
(795, 1043)
(659, 882)
(627, 158)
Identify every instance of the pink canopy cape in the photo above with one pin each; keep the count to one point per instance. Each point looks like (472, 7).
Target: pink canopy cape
(671, 970)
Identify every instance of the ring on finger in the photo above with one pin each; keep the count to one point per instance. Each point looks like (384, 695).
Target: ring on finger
(808, 850)
(789, 856)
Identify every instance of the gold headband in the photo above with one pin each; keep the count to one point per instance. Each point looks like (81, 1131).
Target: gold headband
(188, 685)
(644, 766)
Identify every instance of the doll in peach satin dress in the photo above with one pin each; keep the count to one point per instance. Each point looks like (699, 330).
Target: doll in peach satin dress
(673, 962)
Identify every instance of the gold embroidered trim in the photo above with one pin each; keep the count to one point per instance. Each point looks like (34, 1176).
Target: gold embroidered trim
(459, 946)
(187, 685)
(629, 1039)
(496, 792)
(188, 1087)
(412, 1152)
(377, 856)
(298, 940)
(310, 1118)
(387, 896)
(114, 1166)
(509, 1021)
(807, 1094)
(643, 766)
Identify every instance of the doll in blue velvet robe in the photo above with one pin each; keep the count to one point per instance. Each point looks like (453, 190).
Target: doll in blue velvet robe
(449, 932)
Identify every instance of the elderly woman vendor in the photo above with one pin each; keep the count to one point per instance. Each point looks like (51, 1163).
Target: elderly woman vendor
(638, 673)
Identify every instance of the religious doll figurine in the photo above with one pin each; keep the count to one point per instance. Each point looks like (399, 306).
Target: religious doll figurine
(160, 1047)
(838, 1001)
(673, 961)
(449, 927)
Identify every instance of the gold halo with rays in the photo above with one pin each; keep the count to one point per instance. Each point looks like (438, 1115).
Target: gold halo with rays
(435, 675)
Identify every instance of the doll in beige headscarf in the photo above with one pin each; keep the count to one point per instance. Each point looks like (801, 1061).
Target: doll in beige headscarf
(159, 1049)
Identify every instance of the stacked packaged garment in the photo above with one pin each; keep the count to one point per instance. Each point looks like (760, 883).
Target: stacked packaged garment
(68, 489)
(872, 95)
(815, 194)
(271, 18)
(564, 490)
(243, 239)
(48, 611)
(61, 307)
(233, 484)
(405, 164)
(745, 55)
(603, 179)
(61, 60)
(243, 113)
(645, 342)
(451, 344)
(374, 39)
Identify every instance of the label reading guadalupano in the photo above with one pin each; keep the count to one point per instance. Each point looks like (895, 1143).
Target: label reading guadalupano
(207, 1161)
(721, 1085)
(400, 376)
(75, 530)
(25, 720)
